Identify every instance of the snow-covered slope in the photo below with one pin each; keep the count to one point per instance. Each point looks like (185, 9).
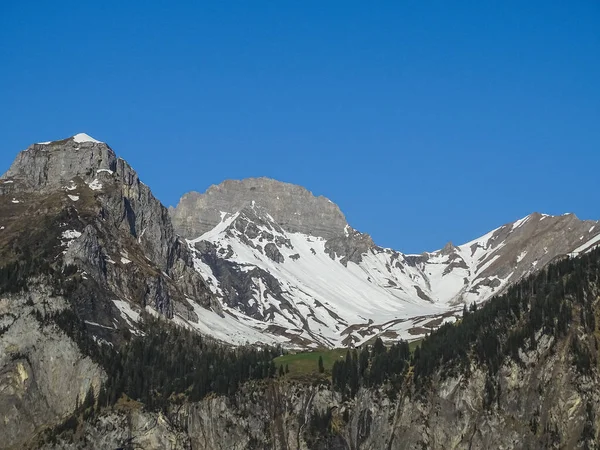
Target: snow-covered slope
(346, 290)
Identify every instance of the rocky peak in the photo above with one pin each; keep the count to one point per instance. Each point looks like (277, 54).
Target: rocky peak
(293, 207)
(448, 249)
(82, 162)
(51, 165)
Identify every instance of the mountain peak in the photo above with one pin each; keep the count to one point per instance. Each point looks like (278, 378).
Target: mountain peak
(293, 207)
(50, 165)
(78, 138)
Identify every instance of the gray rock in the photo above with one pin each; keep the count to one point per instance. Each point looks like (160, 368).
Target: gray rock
(273, 253)
(42, 372)
(291, 206)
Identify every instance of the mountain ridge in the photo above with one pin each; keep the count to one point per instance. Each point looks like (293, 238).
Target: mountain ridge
(277, 264)
(89, 255)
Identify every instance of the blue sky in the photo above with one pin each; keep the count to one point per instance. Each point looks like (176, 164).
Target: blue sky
(424, 121)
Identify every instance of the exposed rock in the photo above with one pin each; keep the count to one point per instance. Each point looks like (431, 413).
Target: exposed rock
(350, 247)
(43, 375)
(546, 404)
(291, 206)
(273, 252)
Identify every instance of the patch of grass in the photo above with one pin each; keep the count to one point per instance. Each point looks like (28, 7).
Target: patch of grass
(414, 344)
(306, 363)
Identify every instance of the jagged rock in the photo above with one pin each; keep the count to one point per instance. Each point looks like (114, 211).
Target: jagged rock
(350, 247)
(273, 253)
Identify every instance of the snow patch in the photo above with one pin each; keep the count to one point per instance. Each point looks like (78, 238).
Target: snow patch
(587, 246)
(89, 322)
(125, 260)
(69, 236)
(82, 137)
(520, 222)
(227, 329)
(95, 185)
(73, 197)
(14, 200)
(127, 312)
(110, 172)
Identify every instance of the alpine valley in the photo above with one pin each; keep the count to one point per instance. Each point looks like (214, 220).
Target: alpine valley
(124, 324)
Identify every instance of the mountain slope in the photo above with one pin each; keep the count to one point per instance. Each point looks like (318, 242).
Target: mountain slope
(273, 263)
(339, 288)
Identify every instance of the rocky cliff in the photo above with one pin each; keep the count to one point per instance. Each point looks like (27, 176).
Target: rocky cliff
(539, 400)
(293, 207)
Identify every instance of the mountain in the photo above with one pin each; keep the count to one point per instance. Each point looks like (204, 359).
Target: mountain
(115, 332)
(275, 254)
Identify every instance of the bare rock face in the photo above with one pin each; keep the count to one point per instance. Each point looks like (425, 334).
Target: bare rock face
(291, 206)
(53, 166)
(541, 403)
(43, 375)
(82, 164)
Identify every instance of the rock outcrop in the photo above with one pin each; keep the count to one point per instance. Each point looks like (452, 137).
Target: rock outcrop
(291, 206)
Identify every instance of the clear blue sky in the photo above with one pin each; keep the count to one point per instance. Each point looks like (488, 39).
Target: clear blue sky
(426, 121)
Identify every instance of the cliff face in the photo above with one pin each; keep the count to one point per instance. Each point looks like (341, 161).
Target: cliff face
(293, 207)
(547, 405)
(59, 165)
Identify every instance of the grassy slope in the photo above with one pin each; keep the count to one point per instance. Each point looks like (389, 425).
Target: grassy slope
(307, 363)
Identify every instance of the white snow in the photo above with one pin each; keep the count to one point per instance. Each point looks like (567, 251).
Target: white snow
(592, 229)
(8, 182)
(127, 312)
(14, 200)
(108, 171)
(520, 222)
(44, 143)
(321, 298)
(125, 260)
(227, 328)
(97, 325)
(95, 185)
(589, 245)
(82, 137)
(73, 197)
(69, 236)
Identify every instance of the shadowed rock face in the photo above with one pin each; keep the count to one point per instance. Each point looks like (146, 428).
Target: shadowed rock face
(293, 207)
